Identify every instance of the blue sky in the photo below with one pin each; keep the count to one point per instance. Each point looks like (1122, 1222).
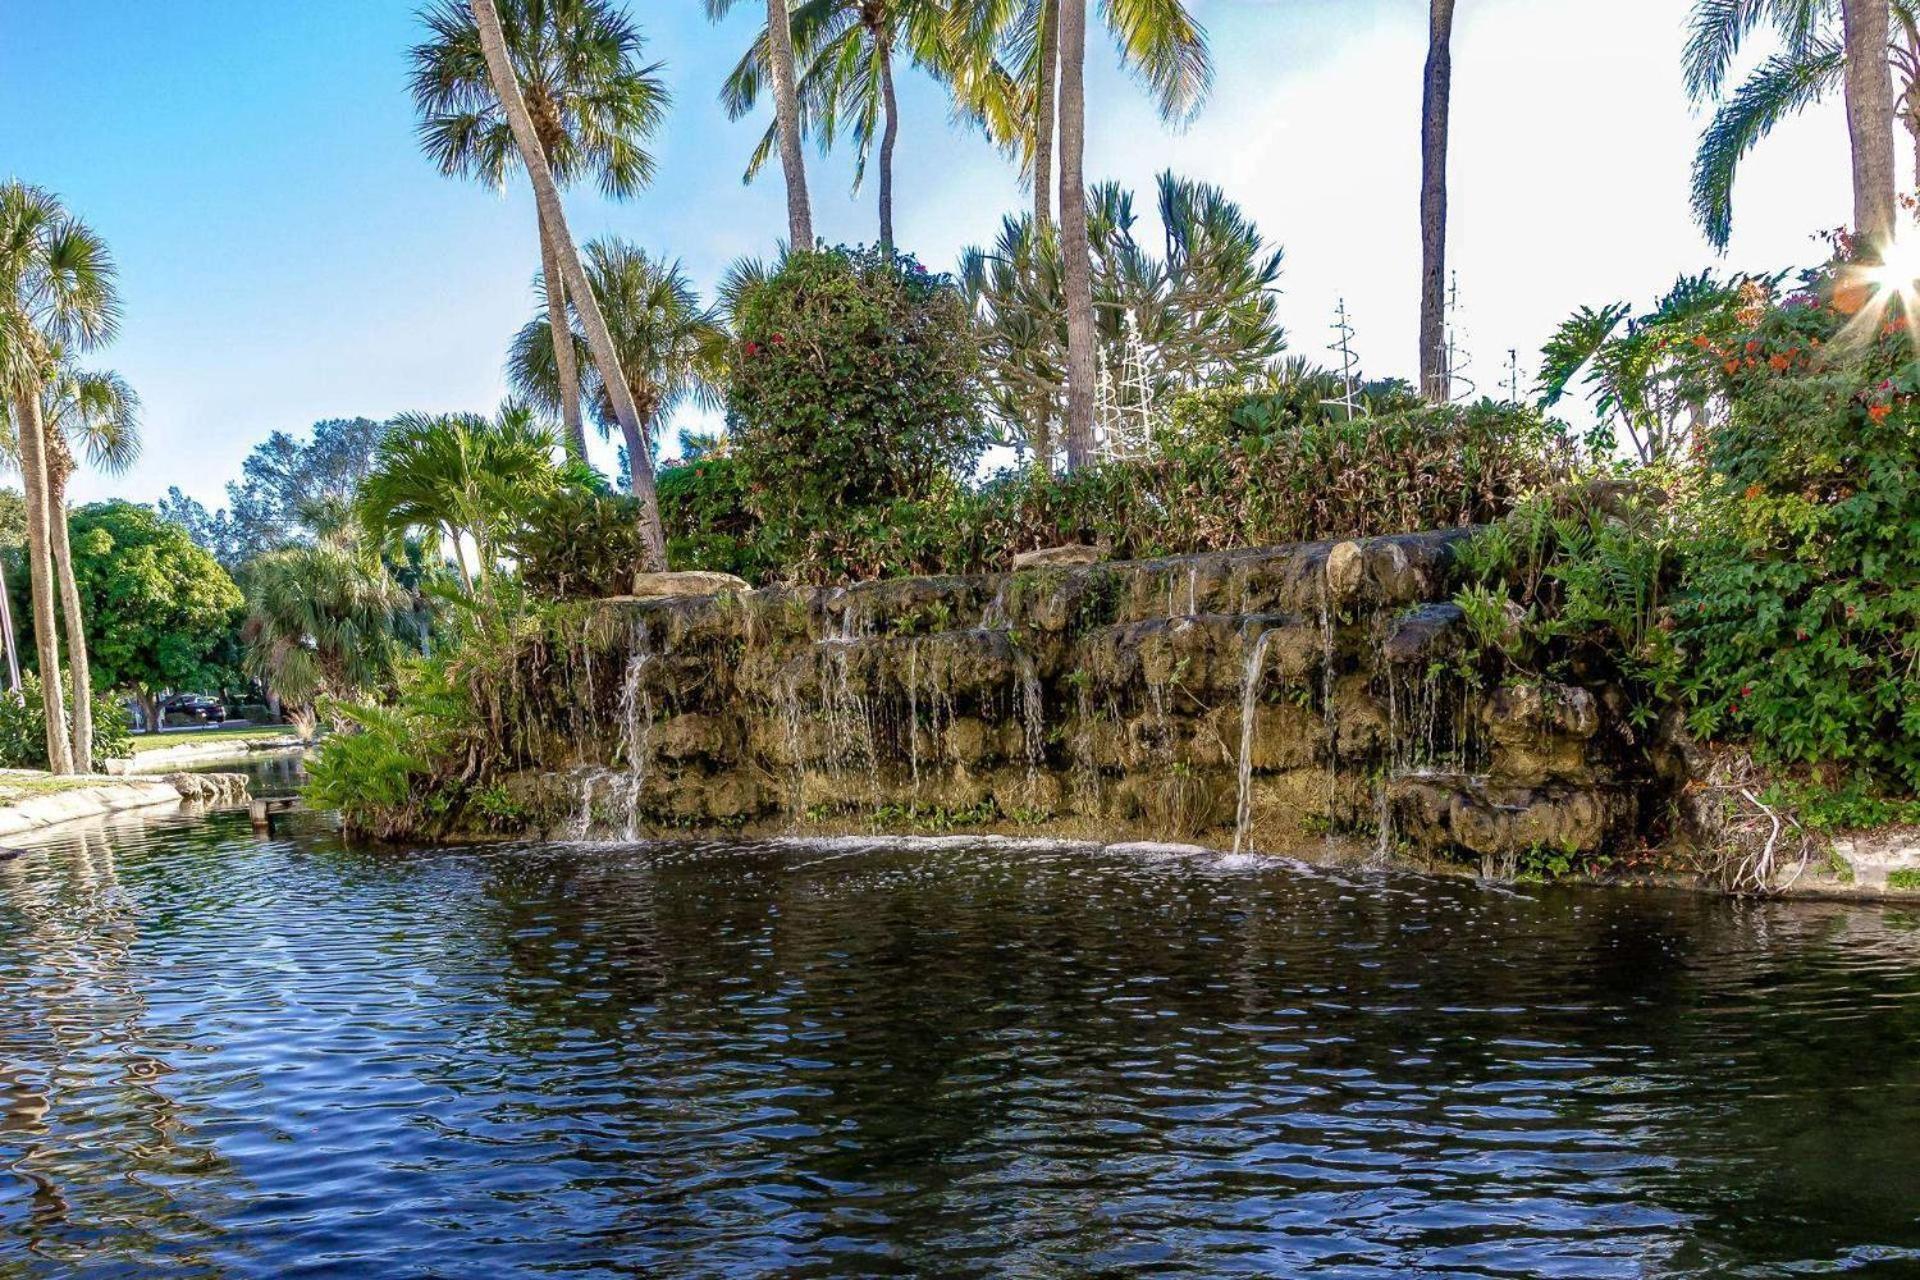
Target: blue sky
(286, 254)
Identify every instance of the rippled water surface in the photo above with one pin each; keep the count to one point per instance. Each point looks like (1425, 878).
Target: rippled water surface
(222, 1055)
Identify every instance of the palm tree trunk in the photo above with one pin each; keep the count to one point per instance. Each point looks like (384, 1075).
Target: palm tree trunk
(547, 196)
(1436, 100)
(566, 370)
(883, 42)
(786, 115)
(460, 559)
(33, 474)
(78, 669)
(1869, 93)
(7, 635)
(1044, 109)
(1073, 232)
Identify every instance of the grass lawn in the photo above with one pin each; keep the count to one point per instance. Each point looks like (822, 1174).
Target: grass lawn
(191, 737)
(24, 784)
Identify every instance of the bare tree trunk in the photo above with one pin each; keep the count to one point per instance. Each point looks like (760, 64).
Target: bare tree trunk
(547, 196)
(888, 136)
(1435, 102)
(1073, 232)
(33, 474)
(786, 115)
(566, 370)
(1869, 93)
(78, 669)
(1045, 108)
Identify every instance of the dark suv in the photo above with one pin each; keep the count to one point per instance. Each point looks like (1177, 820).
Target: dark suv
(196, 706)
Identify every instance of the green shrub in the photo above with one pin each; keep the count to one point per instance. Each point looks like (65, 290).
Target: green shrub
(1208, 485)
(23, 727)
(703, 505)
(1800, 615)
(580, 544)
(1572, 586)
(855, 383)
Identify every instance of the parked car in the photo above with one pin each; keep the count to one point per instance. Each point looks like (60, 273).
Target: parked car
(195, 706)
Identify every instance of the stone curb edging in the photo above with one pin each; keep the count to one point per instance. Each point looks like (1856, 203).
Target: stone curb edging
(167, 759)
(30, 813)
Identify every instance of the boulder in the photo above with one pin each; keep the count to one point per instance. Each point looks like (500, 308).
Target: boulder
(663, 586)
(210, 788)
(1058, 557)
(1346, 568)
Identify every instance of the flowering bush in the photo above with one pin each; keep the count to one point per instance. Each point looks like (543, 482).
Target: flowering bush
(1800, 612)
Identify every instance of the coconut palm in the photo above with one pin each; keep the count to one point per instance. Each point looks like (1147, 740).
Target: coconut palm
(546, 194)
(778, 59)
(461, 477)
(1163, 44)
(844, 51)
(1824, 45)
(672, 349)
(1435, 104)
(56, 293)
(321, 619)
(592, 100)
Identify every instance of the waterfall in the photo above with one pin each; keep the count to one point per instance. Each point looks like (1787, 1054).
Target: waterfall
(1249, 708)
(636, 726)
(1033, 718)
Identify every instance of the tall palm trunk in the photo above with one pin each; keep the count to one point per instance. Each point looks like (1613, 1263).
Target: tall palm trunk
(59, 468)
(1435, 103)
(786, 115)
(1044, 110)
(33, 474)
(546, 196)
(7, 635)
(1869, 93)
(1073, 232)
(883, 51)
(566, 370)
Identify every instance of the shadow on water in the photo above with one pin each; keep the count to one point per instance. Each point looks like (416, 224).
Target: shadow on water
(222, 1055)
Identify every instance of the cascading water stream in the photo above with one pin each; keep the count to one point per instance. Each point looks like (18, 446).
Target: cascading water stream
(636, 726)
(1249, 709)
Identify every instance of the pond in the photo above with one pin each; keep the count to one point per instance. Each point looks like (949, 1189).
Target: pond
(231, 1055)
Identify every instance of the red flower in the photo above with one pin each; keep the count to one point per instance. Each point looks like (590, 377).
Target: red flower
(777, 339)
(753, 348)
(1879, 412)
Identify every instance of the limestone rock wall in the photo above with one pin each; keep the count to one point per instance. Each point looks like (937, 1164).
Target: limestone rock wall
(1262, 696)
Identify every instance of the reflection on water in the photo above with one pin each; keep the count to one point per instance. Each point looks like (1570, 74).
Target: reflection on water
(228, 1056)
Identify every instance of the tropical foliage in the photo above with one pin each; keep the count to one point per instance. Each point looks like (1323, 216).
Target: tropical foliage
(855, 383)
(1202, 309)
(161, 613)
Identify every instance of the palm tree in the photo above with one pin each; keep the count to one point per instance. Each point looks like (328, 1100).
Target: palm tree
(1203, 310)
(1166, 47)
(1824, 45)
(56, 292)
(593, 105)
(546, 195)
(321, 619)
(674, 350)
(1435, 104)
(779, 60)
(461, 477)
(100, 415)
(845, 52)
